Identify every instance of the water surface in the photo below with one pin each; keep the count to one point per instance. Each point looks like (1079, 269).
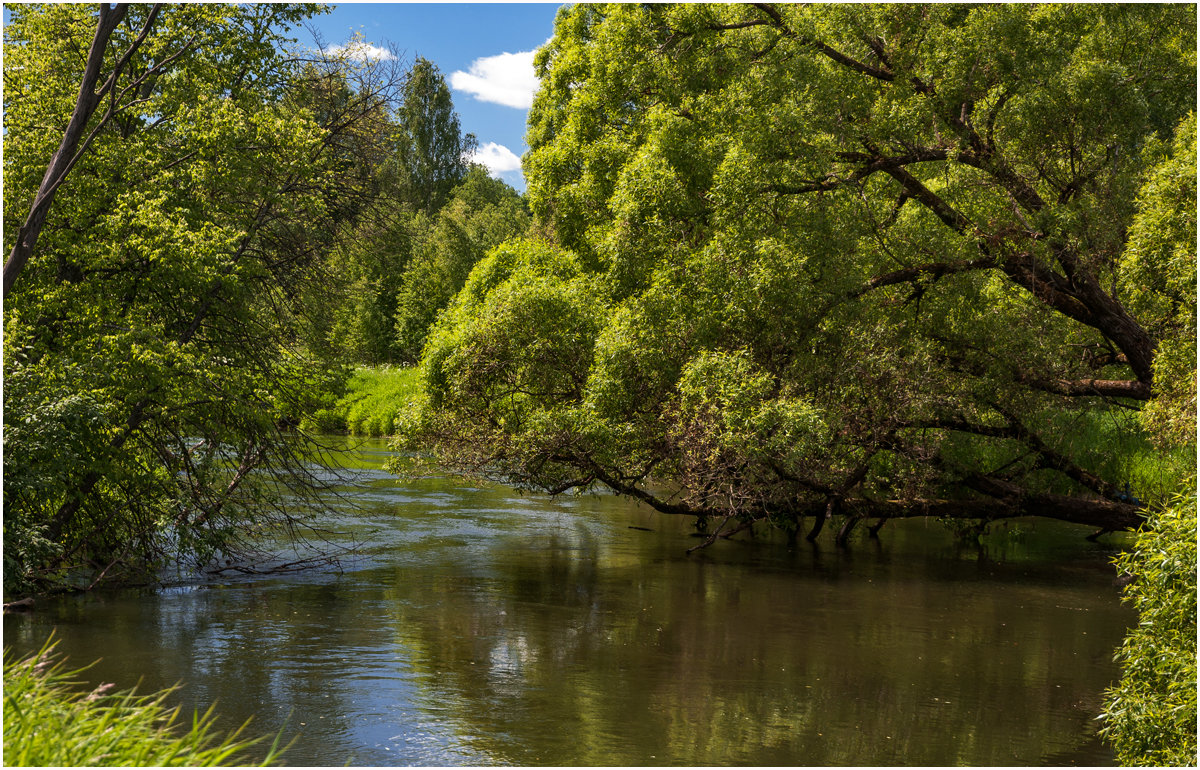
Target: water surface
(481, 626)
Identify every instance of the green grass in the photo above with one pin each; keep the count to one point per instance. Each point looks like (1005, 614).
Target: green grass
(369, 407)
(49, 723)
(1108, 442)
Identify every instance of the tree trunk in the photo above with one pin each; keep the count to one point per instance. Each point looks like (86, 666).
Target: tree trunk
(60, 163)
(1091, 512)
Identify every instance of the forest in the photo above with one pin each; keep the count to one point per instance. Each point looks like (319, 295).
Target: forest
(801, 268)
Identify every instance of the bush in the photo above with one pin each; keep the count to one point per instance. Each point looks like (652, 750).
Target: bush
(1150, 715)
(47, 723)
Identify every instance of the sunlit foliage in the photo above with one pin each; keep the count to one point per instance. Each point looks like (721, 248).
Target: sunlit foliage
(152, 359)
(48, 722)
(874, 261)
(1150, 715)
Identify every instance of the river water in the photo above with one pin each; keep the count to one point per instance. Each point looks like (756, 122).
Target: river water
(480, 626)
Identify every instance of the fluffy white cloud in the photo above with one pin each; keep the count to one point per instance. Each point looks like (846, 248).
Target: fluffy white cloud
(506, 79)
(361, 51)
(497, 158)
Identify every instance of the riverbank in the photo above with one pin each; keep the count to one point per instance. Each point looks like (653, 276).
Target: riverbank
(373, 397)
(48, 723)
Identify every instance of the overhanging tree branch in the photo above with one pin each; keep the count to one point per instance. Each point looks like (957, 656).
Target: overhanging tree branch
(927, 272)
(72, 146)
(1133, 389)
(1047, 457)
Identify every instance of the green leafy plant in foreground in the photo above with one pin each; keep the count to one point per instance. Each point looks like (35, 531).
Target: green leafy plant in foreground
(1150, 715)
(47, 723)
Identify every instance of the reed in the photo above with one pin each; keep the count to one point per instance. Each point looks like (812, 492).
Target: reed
(49, 722)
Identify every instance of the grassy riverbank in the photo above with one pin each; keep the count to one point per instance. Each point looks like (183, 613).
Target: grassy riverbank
(373, 396)
(47, 723)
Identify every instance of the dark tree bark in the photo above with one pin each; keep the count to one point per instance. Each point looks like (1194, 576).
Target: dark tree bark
(70, 148)
(1104, 514)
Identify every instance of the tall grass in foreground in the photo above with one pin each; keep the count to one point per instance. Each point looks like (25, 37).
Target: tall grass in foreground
(47, 723)
(373, 397)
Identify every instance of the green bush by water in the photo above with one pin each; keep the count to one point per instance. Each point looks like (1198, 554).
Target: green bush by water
(1150, 715)
(373, 396)
(47, 723)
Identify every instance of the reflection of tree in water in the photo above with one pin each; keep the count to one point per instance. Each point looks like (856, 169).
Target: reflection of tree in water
(558, 657)
(276, 652)
(487, 630)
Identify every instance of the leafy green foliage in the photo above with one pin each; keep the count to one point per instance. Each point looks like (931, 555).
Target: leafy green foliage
(48, 722)
(402, 267)
(1158, 274)
(153, 340)
(482, 213)
(367, 273)
(504, 368)
(426, 160)
(369, 406)
(53, 427)
(867, 259)
(1150, 715)
(432, 150)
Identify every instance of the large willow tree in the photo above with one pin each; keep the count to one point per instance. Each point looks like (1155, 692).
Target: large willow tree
(173, 178)
(868, 261)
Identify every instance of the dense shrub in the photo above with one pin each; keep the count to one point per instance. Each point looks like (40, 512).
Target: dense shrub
(1150, 715)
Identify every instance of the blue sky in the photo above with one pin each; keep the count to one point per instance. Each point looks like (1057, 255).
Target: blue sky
(484, 51)
(468, 43)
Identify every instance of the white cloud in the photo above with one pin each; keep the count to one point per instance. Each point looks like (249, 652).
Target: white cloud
(506, 78)
(497, 158)
(361, 51)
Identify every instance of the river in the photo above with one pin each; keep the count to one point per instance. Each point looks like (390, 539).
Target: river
(480, 626)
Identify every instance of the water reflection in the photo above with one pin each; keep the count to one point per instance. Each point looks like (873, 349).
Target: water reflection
(483, 627)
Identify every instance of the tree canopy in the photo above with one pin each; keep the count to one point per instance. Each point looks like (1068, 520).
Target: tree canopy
(433, 153)
(151, 357)
(878, 261)
(404, 264)
(436, 215)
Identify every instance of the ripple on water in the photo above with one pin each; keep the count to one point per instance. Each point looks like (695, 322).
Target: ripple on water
(479, 626)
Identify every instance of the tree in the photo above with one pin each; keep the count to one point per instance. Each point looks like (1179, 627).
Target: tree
(151, 360)
(368, 268)
(380, 318)
(1150, 715)
(481, 213)
(868, 261)
(432, 150)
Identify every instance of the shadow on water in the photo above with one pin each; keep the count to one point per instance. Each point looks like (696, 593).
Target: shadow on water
(481, 626)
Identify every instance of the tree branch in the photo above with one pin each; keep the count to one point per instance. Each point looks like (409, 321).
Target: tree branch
(1047, 456)
(927, 272)
(638, 493)
(60, 162)
(1135, 389)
